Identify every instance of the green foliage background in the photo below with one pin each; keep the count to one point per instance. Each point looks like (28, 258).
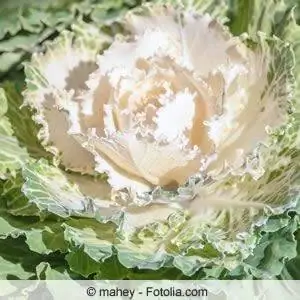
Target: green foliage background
(37, 244)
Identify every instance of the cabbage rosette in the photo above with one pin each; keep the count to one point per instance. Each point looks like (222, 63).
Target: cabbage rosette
(174, 142)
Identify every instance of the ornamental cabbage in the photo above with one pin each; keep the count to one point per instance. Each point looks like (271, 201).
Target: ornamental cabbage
(173, 142)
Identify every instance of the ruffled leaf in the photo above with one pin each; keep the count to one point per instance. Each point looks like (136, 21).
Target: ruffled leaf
(277, 245)
(292, 267)
(53, 85)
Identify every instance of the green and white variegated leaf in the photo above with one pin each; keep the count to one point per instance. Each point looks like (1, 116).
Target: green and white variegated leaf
(9, 59)
(16, 270)
(32, 16)
(216, 8)
(12, 156)
(21, 121)
(90, 244)
(145, 236)
(110, 13)
(292, 34)
(292, 269)
(252, 16)
(43, 238)
(177, 242)
(276, 246)
(15, 252)
(26, 24)
(65, 194)
(13, 201)
(49, 189)
(46, 272)
(81, 263)
(55, 79)
(8, 228)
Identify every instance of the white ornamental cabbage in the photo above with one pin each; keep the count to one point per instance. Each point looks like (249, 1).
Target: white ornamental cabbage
(186, 121)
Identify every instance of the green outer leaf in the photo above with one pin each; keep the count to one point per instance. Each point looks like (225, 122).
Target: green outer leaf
(292, 267)
(110, 11)
(9, 59)
(41, 237)
(21, 120)
(15, 251)
(7, 229)
(82, 263)
(49, 189)
(46, 240)
(95, 238)
(12, 156)
(13, 200)
(65, 194)
(19, 42)
(12, 269)
(112, 269)
(90, 244)
(291, 33)
(251, 16)
(25, 25)
(46, 272)
(275, 248)
(216, 8)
